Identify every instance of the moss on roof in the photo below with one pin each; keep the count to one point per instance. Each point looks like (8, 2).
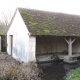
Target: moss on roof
(50, 23)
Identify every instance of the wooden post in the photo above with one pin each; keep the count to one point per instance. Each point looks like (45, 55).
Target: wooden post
(70, 41)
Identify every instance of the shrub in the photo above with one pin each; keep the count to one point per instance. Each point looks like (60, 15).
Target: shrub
(73, 74)
(65, 52)
(21, 71)
(29, 72)
(10, 69)
(10, 74)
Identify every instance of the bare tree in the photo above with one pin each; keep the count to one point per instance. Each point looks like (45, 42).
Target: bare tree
(4, 24)
(6, 17)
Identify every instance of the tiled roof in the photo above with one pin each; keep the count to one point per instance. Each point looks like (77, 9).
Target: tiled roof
(50, 23)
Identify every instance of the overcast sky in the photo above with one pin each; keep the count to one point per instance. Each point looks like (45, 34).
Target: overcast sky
(65, 6)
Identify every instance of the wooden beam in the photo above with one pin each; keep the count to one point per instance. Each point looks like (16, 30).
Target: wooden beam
(70, 41)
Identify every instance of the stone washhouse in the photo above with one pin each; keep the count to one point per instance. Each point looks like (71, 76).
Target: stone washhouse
(35, 32)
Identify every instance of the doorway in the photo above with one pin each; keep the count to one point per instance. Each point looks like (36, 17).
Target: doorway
(11, 43)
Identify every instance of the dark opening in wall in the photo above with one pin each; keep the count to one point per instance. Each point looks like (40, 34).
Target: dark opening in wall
(3, 43)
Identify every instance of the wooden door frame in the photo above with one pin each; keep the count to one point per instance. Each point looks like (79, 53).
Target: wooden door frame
(11, 44)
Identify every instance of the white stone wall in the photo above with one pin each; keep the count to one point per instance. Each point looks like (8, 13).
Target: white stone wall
(76, 46)
(32, 48)
(18, 29)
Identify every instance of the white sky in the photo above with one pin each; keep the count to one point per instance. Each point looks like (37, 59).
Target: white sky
(65, 6)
